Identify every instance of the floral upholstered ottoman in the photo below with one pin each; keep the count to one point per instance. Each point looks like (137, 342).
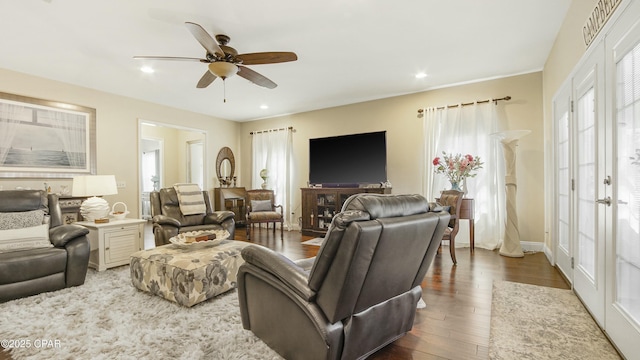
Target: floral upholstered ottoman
(187, 275)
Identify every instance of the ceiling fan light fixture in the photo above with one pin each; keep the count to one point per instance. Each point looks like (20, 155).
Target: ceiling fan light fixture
(223, 69)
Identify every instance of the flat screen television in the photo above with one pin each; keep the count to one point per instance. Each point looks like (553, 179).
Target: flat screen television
(348, 160)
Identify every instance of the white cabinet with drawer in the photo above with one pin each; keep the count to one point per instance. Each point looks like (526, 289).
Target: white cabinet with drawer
(112, 243)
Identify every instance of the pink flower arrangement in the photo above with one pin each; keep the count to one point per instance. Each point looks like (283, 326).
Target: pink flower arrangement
(457, 167)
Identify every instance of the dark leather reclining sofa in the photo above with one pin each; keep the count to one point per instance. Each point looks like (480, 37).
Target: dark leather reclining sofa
(30, 272)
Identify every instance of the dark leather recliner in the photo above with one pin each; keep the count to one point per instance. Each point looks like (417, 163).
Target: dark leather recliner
(30, 272)
(168, 220)
(358, 294)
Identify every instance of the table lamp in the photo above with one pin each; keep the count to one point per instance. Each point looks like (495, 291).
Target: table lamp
(94, 208)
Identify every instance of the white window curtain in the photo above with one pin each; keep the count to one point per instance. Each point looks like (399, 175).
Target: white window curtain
(71, 130)
(10, 116)
(273, 150)
(466, 130)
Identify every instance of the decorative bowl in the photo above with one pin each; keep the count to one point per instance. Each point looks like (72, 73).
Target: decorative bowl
(181, 239)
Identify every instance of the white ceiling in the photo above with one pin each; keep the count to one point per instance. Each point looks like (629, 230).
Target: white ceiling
(348, 51)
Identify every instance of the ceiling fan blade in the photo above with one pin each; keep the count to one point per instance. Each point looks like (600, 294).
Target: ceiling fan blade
(255, 77)
(203, 37)
(178, 58)
(206, 80)
(267, 57)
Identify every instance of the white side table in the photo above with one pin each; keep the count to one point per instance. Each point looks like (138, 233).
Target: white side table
(112, 243)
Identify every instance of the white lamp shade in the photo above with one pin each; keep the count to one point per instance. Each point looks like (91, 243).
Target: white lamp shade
(94, 185)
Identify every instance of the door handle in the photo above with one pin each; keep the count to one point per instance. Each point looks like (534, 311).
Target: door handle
(606, 201)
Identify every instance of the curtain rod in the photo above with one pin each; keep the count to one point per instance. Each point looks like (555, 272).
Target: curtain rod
(506, 98)
(270, 130)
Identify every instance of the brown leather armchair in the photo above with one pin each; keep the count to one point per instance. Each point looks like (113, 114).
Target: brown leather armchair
(358, 294)
(452, 200)
(168, 220)
(33, 271)
(263, 213)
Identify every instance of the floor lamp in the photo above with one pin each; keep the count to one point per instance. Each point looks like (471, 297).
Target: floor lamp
(511, 245)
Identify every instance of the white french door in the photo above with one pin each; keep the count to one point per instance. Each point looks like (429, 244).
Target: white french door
(623, 242)
(589, 223)
(599, 206)
(563, 182)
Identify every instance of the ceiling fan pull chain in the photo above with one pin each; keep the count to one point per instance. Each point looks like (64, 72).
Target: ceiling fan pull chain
(224, 91)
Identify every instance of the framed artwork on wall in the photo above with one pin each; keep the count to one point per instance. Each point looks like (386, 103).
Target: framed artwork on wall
(45, 139)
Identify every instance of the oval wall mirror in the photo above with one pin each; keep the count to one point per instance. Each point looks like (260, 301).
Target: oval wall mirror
(225, 166)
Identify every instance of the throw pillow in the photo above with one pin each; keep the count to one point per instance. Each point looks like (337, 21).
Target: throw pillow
(261, 205)
(18, 220)
(435, 207)
(26, 238)
(190, 199)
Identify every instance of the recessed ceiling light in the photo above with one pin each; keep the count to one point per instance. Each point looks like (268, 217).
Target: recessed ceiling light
(421, 75)
(264, 107)
(147, 69)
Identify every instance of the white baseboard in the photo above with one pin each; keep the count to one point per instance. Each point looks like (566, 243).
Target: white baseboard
(549, 254)
(531, 246)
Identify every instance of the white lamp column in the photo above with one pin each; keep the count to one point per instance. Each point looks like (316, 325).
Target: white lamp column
(511, 245)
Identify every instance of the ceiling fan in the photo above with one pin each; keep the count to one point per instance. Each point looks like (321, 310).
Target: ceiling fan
(224, 61)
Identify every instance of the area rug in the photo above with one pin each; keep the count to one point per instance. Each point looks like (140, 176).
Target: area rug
(536, 322)
(314, 242)
(107, 318)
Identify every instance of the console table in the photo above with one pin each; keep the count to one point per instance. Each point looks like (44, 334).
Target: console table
(232, 199)
(319, 205)
(467, 210)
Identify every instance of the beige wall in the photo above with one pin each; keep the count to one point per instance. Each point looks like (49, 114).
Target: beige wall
(567, 50)
(170, 159)
(183, 138)
(174, 167)
(398, 116)
(117, 130)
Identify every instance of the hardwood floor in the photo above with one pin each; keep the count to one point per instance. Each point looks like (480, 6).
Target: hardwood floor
(455, 323)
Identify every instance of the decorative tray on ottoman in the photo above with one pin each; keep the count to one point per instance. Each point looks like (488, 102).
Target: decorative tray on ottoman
(196, 239)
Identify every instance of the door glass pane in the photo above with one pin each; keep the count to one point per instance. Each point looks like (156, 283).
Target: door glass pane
(586, 167)
(628, 183)
(196, 163)
(150, 167)
(564, 179)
